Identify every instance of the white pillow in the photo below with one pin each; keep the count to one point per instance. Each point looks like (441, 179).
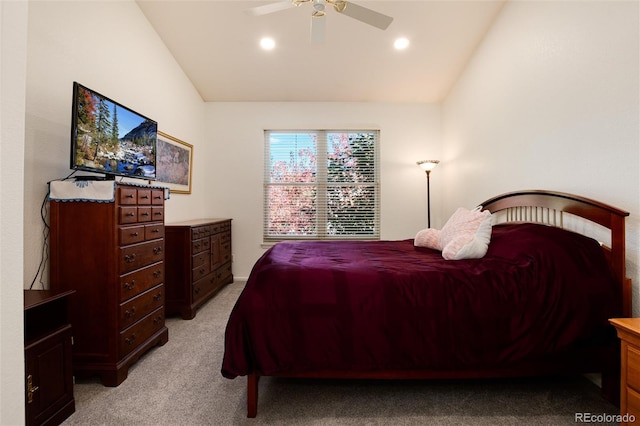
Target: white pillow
(466, 235)
(429, 238)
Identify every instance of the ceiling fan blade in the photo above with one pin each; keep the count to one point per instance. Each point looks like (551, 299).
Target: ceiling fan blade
(366, 15)
(318, 27)
(269, 8)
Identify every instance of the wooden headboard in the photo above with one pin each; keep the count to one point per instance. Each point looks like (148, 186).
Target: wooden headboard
(548, 207)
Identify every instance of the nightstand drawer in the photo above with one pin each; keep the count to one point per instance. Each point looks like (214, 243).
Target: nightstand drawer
(633, 368)
(633, 403)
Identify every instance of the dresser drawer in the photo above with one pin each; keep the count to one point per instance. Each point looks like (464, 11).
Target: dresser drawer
(157, 214)
(144, 214)
(204, 286)
(225, 252)
(200, 259)
(633, 368)
(144, 196)
(199, 232)
(136, 282)
(153, 231)
(138, 333)
(127, 214)
(127, 195)
(223, 273)
(200, 245)
(138, 307)
(157, 196)
(200, 272)
(138, 255)
(131, 235)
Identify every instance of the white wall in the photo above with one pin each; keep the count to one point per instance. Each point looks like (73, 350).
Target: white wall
(13, 62)
(408, 132)
(110, 47)
(550, 101)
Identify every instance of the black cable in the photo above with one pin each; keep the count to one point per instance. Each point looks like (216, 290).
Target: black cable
(44, 255)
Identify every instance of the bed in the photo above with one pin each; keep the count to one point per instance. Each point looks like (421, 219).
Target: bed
(537, 303)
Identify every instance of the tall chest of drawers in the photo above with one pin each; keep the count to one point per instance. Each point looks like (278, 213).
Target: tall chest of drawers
(112, 255)
(198, 263)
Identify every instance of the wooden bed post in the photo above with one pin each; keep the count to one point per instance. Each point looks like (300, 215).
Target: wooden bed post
(252, 395)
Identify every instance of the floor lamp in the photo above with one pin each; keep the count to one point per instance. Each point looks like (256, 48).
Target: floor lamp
(427, 166)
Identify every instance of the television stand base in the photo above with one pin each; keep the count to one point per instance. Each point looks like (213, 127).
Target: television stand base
(90, 177)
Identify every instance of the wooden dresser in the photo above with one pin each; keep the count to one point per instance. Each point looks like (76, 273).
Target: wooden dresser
(112, 255)
(629, 333)
(47, 357)
(198, 263)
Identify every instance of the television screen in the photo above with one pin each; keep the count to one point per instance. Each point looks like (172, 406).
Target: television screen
(109, 138)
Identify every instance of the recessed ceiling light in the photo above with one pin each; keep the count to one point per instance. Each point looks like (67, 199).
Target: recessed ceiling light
(401, 43)
(267, 43)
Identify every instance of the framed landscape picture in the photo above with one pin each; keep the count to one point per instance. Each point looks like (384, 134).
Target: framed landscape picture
(174, 163)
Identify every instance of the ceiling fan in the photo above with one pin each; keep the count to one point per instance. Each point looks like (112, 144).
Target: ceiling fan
(345, 7)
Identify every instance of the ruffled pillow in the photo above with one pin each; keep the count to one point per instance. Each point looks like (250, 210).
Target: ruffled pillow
(429, 238)
(466, 235)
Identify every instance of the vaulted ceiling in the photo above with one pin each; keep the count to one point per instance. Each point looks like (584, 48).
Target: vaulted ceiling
(217, 45)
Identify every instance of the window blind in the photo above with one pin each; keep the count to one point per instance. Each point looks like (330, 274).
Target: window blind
(321, 184)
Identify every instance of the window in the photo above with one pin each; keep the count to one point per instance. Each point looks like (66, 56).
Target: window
(321, 185)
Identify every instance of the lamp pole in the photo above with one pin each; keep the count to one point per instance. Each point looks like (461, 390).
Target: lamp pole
(427, 166)
(428, 172)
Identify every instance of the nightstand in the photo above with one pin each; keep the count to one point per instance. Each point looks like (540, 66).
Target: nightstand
(629, 334)
(47, 352)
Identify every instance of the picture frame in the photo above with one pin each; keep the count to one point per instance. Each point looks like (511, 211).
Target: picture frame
(174, 163)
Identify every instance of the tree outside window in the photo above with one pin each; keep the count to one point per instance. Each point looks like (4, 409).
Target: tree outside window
(321, 185)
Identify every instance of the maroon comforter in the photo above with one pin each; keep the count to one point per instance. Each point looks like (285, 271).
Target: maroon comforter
(388, 305)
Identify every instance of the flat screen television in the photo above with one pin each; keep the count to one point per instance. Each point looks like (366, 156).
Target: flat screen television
(111, 139)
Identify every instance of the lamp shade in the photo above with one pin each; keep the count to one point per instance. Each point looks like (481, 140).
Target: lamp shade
(428, 165)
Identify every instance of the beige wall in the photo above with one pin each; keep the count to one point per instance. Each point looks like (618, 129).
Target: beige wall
(408, 133)
(13, 61)
(108, 46)
(550, 101)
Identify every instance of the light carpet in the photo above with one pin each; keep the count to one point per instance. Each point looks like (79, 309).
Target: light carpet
(180, 384)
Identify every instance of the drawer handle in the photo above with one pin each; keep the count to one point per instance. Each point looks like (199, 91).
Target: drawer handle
(196, 290)
(145, 214)
(158, 213)
(158, 296)
(130, 340)
(129, 314)
(130, 286)
(155, 230)
(130, 214)
(134, 234)
(202, 270)
(130, 258)
(157, 274)
(129, 196)
(157, 250)
(197, 246)
(158, 319)
(30, 389)
(145, 197)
